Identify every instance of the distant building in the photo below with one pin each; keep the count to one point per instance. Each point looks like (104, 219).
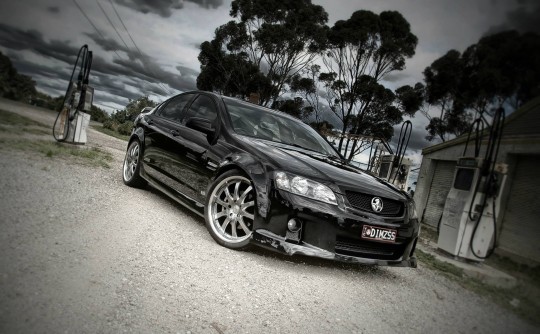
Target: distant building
(518, 224)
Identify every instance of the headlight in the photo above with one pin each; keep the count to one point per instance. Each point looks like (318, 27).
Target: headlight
(412, 210)
(305, 187)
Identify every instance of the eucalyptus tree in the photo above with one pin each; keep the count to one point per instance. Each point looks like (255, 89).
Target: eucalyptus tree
(444, 91)
(500, 70)
(361, 52)
(267, 43)
(14, 85)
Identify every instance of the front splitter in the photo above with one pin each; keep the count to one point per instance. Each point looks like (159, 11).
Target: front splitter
(269, 240)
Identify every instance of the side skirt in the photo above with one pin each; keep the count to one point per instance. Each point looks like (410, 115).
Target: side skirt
(190, 204)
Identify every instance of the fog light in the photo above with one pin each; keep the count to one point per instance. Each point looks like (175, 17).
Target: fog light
(294, 229)
(293, 225)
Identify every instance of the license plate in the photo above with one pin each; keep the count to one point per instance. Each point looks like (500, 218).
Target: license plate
(378, 233)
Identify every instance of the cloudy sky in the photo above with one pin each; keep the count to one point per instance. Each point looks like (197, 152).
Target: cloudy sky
(150, 47)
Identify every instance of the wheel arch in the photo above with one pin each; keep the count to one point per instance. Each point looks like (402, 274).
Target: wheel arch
(256, 173)
(138, 134)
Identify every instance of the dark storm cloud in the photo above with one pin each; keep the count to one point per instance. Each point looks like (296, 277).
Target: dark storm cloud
(149, 89)
(56, 88)
(151, 70)
(19, 40)
(186, 71)
(35, 69)
(142, 66)
(395, 77)
(164, 8)
(115, 87)
(525, 18)
(128, 65)
(53, 9)
(417, 140)
(108, 44)
(106, 99)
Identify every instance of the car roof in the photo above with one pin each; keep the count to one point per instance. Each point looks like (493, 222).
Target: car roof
(246, 103)
(259, 107)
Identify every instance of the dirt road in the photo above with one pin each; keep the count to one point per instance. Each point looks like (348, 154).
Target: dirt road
(80, 252)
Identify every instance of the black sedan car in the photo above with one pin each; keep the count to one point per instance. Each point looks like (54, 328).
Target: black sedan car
(259, 176)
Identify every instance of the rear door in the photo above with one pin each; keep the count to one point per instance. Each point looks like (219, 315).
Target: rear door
(162, 149)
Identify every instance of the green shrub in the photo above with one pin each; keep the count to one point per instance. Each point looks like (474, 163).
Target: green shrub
(98, 114)
(125, 128)
(111, 125)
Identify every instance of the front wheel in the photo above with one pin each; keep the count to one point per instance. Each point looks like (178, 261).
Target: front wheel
(132, 166)
(230, 210)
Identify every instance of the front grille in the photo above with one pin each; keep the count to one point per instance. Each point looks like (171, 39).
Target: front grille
(362, 202)
(373, 250)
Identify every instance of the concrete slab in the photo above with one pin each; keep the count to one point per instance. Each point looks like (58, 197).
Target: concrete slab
(480, 271)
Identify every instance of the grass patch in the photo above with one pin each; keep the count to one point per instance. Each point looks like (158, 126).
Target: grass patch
(89, 156)
(518, 299)
(429, 233)
(15, 123)
(530, 274)
(447, 269)
(25, 129)
(110, 132)
(13, 119)
(37, 131)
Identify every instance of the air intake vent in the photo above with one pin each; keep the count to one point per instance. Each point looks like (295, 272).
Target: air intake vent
(381, 251)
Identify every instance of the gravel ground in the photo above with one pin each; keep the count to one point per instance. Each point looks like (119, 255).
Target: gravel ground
(80, 252)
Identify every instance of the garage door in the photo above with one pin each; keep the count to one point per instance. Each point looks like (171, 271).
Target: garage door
(440, 186)
(521, 226)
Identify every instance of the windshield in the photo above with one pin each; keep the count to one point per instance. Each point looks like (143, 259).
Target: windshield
(258, 122)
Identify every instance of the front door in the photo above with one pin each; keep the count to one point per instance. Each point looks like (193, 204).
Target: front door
(201, 158)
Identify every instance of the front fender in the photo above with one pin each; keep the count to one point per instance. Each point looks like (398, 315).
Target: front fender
(259, 175)
(138, 133)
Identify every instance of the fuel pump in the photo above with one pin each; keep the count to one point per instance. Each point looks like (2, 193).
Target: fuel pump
(71, 123)
(400, 170)
(391, 167)
(468, 227)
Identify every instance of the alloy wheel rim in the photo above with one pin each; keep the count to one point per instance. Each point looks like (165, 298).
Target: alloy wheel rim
(131, 161)
(232, 209)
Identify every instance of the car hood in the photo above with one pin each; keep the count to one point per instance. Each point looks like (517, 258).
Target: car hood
(318, 167)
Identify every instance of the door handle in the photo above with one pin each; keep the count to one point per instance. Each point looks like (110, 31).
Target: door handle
(175, 133)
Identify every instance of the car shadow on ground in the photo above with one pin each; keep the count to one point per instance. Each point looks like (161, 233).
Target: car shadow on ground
(254, 250)
(313, 261)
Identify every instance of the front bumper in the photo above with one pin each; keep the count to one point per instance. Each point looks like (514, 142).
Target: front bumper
(269, 240)
(333, 232)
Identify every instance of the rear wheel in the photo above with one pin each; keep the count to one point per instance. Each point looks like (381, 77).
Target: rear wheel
(132, 166)
(230, 210)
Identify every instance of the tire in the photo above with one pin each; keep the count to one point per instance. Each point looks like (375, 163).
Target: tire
(230, 210)
(132, 166)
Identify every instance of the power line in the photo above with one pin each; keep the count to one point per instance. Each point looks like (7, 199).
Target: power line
(108, 106)
(103, 37)
(123, 25)
(135, 44)
(125, 44)
(93, 25)
(108, 19)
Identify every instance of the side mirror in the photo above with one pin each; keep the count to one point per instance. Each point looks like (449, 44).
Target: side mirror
(200, 124)
(146, 109)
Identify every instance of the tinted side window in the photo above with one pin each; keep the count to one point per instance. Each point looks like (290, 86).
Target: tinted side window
(173, 109)
(202, 107)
